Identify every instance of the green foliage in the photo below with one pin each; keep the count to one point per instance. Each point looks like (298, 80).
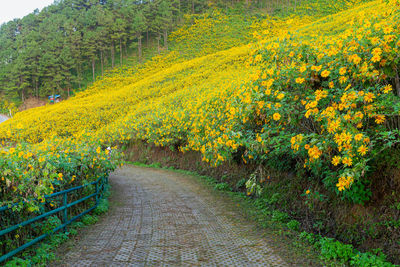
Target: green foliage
(309, 237)
(240, 184)
(89, 219)
(279, 216)
(33, 171)
(223, 187)
(369, 260)
(102, 207)
(18, 262)
(272, 199)
(253, 186)
(334, 250)
(51, 223)
(293, 225)
(336, 253)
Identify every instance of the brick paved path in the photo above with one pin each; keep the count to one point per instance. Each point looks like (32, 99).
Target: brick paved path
(163, 218)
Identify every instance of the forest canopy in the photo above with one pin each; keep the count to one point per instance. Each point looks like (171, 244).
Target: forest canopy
(52, 51)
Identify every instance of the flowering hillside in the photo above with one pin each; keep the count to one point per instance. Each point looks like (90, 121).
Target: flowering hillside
(322, 96)
(323, 86)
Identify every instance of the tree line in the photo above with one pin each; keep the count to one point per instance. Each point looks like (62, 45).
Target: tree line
(50, 51)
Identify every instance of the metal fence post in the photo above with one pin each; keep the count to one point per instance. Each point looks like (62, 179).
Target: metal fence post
(97, 192)
(65, 213)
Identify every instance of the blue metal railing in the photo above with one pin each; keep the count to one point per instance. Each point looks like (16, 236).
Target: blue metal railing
(99, 187)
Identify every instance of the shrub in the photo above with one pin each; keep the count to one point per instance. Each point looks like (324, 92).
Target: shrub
(293, 225)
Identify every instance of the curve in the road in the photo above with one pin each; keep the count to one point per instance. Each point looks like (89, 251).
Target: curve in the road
(163, 218)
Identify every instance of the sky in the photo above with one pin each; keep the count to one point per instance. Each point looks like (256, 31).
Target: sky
(11, 9)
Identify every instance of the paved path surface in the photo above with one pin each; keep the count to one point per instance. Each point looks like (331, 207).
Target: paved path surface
(161, 218)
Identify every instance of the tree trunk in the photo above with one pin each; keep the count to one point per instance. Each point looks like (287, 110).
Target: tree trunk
(140, 49)
(158, 44)
(93, 68)
(102, 64)
(22, 91)
(78, 68)
(147, 39)
(192, 6)
(166, 39)
(37, 88)
(120, 51)
(54, 93)
(112, 55)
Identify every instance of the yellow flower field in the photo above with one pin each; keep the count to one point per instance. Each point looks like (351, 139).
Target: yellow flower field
(321, 92)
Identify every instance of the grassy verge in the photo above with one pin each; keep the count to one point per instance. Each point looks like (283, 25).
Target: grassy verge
(281, 226)
(44, 252)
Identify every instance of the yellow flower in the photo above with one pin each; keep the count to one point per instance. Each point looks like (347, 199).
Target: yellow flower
(343, 79)
(336, 160)
(342, 71)
(300, 80)
(376, 51)
(325, 73)
(307, 192)
(276, 116)
(379, 119)
(316, 68)
(344, 182)
(369, 97)
(280, 96)
(376, 58)
(388, 88)
(347, 161)
(314, 152)
(358, 137)
(356, 59)
(362, 150)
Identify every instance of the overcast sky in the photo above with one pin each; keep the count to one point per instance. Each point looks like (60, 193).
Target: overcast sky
(11, 9)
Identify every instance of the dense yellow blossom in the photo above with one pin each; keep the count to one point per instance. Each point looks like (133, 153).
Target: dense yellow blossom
(318, 88)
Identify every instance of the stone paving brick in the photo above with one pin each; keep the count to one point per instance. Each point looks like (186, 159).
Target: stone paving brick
(159, 218)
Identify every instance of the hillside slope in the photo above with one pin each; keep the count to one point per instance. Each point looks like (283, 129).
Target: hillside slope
(319, 99)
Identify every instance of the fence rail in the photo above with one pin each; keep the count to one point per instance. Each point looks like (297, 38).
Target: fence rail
(99, 191)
